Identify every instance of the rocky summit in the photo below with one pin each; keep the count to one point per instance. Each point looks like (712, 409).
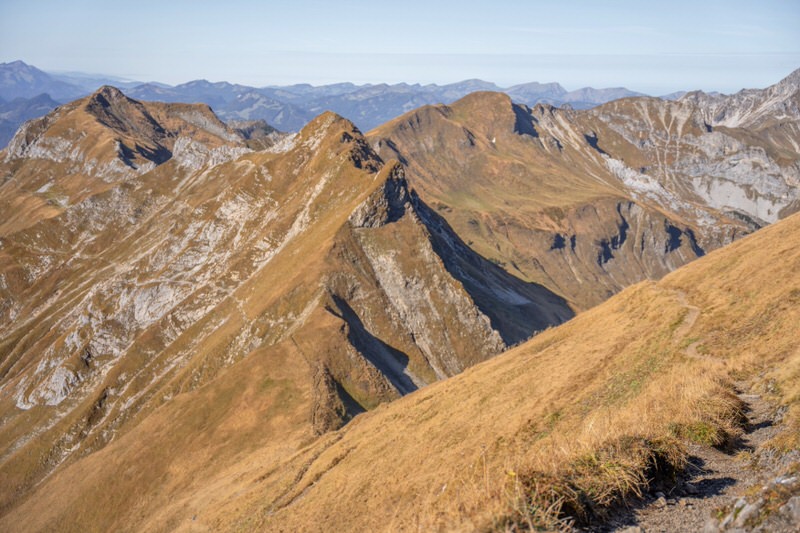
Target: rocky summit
(453, 321)
(588, 202)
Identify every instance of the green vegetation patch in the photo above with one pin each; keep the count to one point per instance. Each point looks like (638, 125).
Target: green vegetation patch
(699, 433)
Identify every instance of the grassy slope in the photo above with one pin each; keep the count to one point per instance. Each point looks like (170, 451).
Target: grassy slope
(250, 413)
(583, 409)
(469, 157)
(570, 420)
(23, 464)
(555, 411)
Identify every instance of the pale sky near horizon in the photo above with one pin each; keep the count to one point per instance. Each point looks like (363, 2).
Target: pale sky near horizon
(653, 47)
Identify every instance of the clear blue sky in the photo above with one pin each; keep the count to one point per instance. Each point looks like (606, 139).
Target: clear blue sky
(655, 47)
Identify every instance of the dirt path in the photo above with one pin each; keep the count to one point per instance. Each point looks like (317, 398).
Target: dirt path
(686, 326)
(690, 318)
(715, 479)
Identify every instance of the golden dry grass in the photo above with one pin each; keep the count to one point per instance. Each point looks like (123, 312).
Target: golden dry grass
(149, 374)
(579, 417)
(570, 422)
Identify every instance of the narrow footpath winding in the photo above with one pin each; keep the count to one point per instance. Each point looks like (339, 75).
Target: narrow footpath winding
(720, 489)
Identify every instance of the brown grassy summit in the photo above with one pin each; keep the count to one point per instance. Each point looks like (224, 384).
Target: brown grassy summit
(112, 125)
(84, 147)
(588, 202)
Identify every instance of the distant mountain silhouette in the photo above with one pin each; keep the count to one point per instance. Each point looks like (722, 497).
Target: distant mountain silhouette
(287, 108)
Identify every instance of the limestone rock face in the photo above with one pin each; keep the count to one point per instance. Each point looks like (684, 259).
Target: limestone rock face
(588, 202)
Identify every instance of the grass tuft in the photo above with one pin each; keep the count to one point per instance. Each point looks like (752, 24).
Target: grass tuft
(592, 484)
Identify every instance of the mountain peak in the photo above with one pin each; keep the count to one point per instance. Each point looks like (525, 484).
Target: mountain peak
(750, 108)
(475, 82)
(16, 64)
(484, 98)
(326, 121)
(107, 94)
(330, 133)
(792, 79)
(537, 88)
(113, 109)
(489, 104)
(121, 136)
(18, 79)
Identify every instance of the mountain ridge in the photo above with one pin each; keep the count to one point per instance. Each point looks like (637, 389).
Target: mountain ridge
(261, 318)
(110, 316)
(750, 107)
(552, 194)
(288, 108)
(18, 79)
(480, 453)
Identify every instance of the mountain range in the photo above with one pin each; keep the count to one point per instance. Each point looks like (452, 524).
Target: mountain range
(286, 108)
(451, 321)
(19, 110)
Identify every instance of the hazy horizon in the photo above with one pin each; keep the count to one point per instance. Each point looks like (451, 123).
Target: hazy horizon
(662, 48)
